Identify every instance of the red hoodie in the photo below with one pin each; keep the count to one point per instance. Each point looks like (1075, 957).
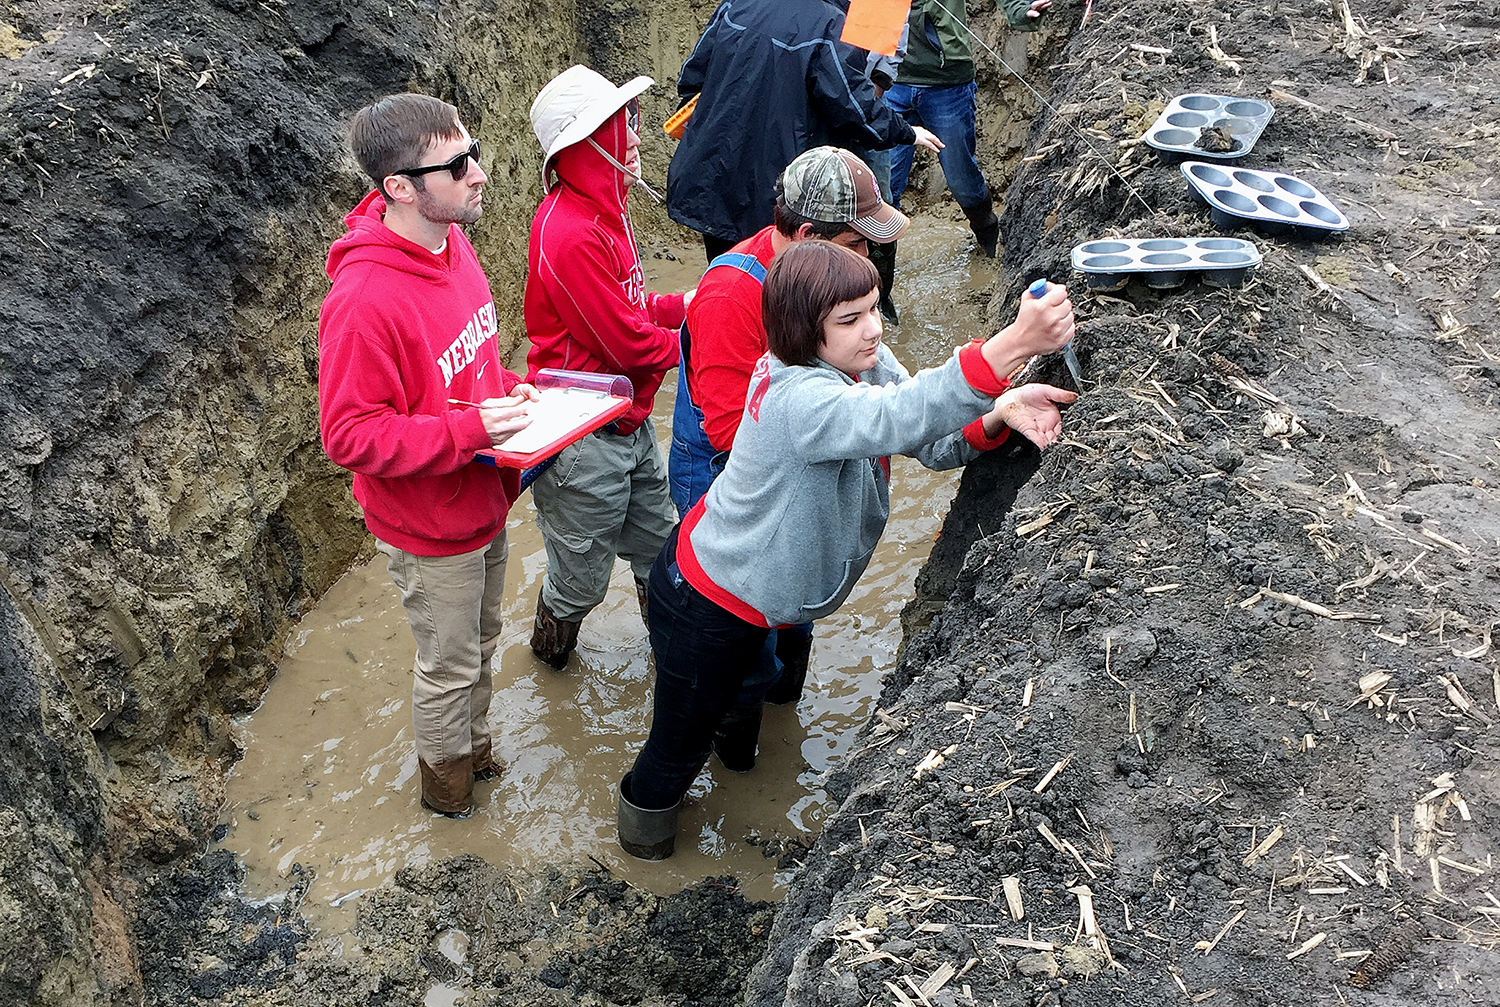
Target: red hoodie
(402, 331)
(587, 308)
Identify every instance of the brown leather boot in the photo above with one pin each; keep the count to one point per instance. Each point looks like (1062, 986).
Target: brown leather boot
(553, 639)
(448, 789)
(486, 766)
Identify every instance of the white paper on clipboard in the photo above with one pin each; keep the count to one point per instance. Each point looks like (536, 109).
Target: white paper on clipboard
(569, 405)
(557, 412)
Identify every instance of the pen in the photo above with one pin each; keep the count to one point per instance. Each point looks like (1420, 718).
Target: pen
(511, 400)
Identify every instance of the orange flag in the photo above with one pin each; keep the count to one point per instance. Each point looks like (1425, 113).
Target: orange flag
(875, 24)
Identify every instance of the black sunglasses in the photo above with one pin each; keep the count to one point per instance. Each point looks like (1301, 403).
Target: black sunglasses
(633, 116)
(458, 167)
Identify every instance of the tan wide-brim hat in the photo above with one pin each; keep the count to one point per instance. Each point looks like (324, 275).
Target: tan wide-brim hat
(574, 104)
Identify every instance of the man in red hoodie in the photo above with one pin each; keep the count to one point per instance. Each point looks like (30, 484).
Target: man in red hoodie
(587, 309)
(408, 328)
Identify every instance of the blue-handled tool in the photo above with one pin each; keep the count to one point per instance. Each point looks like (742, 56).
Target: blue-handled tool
(1037, 289)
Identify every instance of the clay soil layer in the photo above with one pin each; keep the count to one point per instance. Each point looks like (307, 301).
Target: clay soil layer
(1203, 712)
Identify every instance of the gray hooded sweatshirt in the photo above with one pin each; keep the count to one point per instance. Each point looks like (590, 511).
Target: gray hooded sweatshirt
(790, 525)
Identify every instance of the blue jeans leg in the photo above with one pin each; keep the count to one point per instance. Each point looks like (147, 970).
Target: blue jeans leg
(902, 98)
(948, 112)
(703, 655)
(766, 670)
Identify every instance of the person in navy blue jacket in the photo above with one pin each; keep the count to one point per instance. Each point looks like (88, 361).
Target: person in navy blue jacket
(772, 80)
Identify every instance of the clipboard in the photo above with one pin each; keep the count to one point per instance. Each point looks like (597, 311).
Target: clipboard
(571, 405)
(677, 122)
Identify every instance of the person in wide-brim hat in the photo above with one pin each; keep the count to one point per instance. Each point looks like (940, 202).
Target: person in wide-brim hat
(574, 104)
(587, 309)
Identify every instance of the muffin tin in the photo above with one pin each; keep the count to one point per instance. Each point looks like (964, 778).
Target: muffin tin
(1177, 130)
(1273, 202)
(1163, 263)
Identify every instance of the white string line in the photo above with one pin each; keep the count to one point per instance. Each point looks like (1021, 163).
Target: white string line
(1062, 118)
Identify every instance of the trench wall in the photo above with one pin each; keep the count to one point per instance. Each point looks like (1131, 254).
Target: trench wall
(171, 175)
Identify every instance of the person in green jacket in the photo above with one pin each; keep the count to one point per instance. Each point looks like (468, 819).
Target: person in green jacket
(935, 88)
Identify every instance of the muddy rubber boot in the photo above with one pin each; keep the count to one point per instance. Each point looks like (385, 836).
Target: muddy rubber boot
(793, 651)
(984, 224)
(448, 789)
(735, 738)
(883, 257)
(640, 598)
(553, 639)
(645, 834)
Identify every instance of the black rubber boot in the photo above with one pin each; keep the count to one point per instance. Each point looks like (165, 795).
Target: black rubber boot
(884, 259)
(735, 738)
(553, 639)
(985, 225)
(645, 834)
(793, 651)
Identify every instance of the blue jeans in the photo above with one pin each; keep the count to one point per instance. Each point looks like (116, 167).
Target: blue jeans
(948, 112)
(703, 656)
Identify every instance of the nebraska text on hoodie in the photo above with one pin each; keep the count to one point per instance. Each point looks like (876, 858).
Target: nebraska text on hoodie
(403, 330)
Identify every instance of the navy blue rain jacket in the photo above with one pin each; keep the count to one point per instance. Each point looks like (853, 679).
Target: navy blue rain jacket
(772, 80)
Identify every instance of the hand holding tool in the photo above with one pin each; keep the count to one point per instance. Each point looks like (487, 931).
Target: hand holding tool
(1038, 289)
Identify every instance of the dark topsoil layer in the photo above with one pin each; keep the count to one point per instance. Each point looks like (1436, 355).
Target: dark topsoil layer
(1113, 620)
(1195, 718)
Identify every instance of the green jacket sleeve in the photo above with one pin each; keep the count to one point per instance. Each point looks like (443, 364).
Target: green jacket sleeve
(1015, 15)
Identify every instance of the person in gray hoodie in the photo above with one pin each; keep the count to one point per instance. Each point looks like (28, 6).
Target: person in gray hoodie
(787, 529)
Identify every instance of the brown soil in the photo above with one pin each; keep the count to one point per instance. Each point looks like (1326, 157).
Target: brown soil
(1178, 625)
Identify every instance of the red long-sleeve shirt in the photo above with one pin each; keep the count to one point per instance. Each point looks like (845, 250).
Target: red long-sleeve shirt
(728, 338)
(403, 330)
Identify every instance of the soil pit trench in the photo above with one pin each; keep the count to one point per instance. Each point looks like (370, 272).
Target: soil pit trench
(1249, 710)
(327, 783)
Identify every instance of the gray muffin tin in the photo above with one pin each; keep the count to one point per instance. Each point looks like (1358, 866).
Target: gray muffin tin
(1178, 127)
(1273, 202)
(1163, 263)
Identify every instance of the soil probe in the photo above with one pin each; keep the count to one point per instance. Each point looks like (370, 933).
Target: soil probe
(1038, 289)
(1050, 107)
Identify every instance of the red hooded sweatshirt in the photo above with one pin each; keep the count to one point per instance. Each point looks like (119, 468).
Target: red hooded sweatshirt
(402, 331)
(587, 308)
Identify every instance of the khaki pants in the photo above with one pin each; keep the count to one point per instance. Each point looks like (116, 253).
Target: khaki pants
(454, 606)
(605, 496)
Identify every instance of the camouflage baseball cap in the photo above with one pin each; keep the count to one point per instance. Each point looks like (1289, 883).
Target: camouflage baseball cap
(831, 185)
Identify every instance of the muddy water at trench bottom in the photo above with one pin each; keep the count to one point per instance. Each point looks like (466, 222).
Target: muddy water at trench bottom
(329, 777)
